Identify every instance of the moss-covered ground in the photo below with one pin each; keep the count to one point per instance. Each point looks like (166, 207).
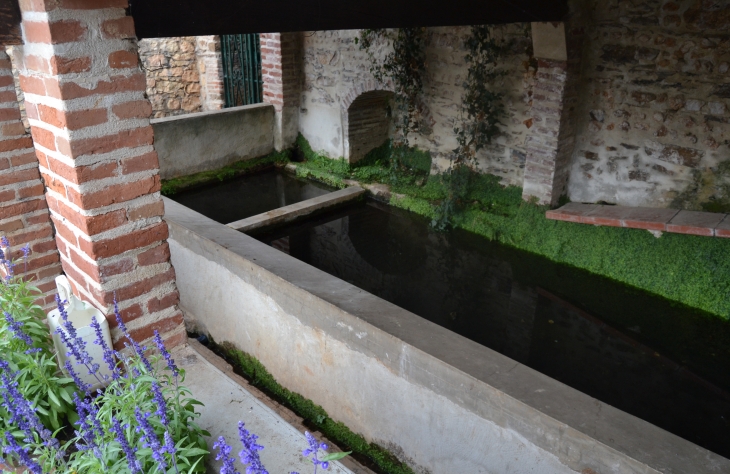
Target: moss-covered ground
(313, 414)
(691, 270)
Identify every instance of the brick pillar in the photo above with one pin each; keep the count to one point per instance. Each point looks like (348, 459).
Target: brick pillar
(89, 118)
(210, 69)
(24, 217)
(552, 136)
(281, 70)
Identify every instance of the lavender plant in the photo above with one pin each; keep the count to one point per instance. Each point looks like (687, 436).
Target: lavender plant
(26, 350)
(143, 422)
(249, 455)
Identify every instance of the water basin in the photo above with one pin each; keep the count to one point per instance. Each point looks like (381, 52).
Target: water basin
(249, 195)
(666, 364)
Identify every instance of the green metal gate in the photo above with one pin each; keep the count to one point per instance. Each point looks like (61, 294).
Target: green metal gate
(242, 80)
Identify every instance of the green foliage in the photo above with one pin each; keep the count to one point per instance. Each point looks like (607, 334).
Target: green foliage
(37, 373)
(174, 185)
(311, 412)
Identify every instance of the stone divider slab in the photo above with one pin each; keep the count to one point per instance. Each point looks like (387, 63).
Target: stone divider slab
(666, 220)
(298, 210)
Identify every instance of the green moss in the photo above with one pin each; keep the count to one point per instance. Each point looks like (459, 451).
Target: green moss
(412, 166)
(255, 371)
(174, 185)
(691, 270)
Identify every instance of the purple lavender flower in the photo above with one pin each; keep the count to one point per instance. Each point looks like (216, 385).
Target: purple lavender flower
(75, 344)
(224, 454)
(4, 241)
(132, 461)
(170, 445)
(161, 403)
(21, 411)
(16, 327)
(108, 352)
(83, 386)
(250, 452)
(150, 439)
(313, 450)
(137, 349)
(168, 358)
(89, 425)
(22, 453)
(26, 252)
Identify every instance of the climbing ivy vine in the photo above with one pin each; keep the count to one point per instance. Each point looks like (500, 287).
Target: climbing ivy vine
(479, 123)
(482, 105)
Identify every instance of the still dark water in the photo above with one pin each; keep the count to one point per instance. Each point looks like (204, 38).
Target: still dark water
(663, 363)
(248, 195)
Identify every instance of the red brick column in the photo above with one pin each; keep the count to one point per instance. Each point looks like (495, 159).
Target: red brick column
(548, 153)
(24, 217)
(551, 139)
(84, 94)
(281, 70)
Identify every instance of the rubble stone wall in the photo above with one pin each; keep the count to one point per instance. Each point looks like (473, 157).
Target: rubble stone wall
(173, 81)
(654, 125)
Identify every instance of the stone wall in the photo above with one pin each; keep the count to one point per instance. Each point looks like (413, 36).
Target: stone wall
(654, 127)
(337, 71)
(173, 81)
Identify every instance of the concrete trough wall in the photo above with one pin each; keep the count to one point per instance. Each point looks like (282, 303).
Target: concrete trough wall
(208, 140)
(440, 402)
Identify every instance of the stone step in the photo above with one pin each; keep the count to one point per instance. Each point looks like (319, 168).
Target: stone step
(654, 219)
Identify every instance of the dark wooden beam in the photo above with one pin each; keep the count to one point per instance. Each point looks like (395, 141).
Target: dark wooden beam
(165, 18)
(10, 23)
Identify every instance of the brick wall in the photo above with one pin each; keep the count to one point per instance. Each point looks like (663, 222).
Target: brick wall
(24, 217)
(368, 123)
(210, 70)
(85, 98)
(653, 121)
(281, 68)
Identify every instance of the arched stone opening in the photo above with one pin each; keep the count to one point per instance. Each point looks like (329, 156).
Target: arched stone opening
(368, 123)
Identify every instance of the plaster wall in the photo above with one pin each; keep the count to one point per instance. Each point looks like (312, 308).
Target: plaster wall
(208, 140)
(438, 401)
(337, 71)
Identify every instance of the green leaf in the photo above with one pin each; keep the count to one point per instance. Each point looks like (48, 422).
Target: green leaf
(335, 456)
(195, 452)
(54, 399)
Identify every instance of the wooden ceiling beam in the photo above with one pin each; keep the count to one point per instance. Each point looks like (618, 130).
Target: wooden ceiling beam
(167, 18)
(10, 23)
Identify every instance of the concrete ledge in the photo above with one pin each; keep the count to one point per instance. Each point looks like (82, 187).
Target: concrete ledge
(665, 220)
(203, 141)
(441, 402)
(294, 212)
